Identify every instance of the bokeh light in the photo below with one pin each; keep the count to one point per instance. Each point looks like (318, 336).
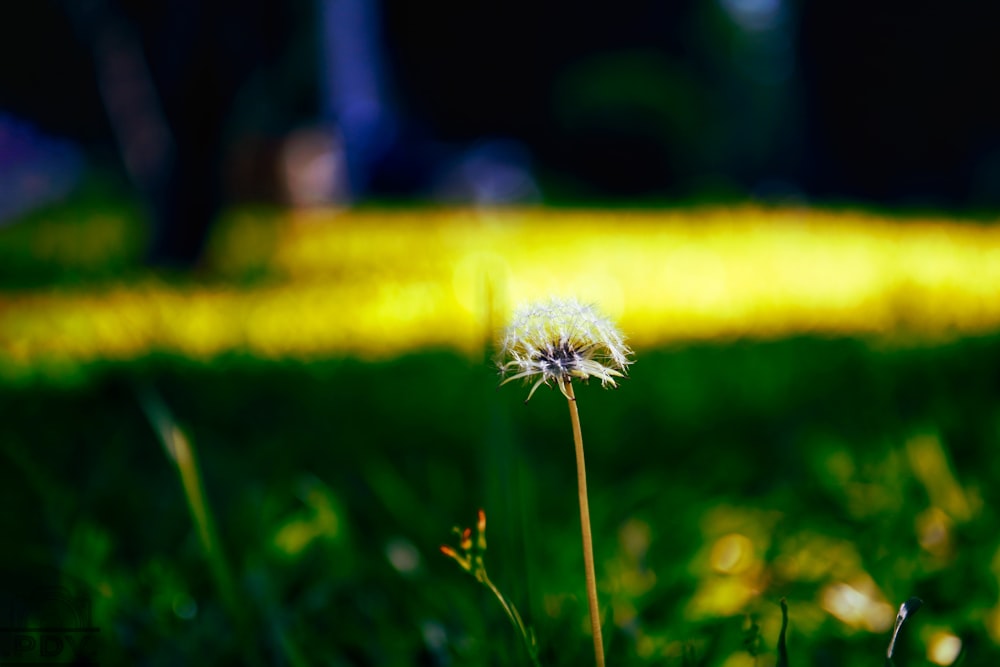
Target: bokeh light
(943, 648)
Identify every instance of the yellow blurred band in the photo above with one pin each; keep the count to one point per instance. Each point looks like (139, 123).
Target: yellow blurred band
(376, 284)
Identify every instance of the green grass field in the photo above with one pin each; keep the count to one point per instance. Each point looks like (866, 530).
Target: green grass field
(803, 456)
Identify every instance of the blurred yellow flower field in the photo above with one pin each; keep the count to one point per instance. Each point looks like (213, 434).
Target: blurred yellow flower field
(381, 283)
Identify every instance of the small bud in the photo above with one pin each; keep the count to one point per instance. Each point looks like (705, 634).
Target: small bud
(481, 532)
(463, 561)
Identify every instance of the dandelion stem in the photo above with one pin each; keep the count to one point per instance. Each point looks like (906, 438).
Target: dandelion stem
(588, 542)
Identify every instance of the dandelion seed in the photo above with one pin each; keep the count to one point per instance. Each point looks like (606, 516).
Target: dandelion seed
(560, 340)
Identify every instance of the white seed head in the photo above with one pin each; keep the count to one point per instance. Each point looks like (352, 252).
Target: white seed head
(559, 340)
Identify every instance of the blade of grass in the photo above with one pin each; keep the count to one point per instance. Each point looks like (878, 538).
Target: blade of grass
(906, 610)
(782, 647)
(181, 452)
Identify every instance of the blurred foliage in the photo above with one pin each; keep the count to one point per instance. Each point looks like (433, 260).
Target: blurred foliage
(722, 479)
(842, 474)
(95, 235)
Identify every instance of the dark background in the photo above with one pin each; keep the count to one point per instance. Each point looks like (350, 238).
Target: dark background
(888, 103)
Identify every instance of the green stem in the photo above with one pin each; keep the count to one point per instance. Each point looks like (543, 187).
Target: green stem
(514, 617)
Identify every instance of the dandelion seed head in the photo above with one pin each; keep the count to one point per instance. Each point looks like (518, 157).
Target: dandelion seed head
(559, 340)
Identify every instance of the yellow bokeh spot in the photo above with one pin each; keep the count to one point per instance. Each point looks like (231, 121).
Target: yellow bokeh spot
(943, 648)
(859, 604)
(721, 596)
(812, 557)
(933, 468)
(319, 520)
(934, 531)
(992, 622)
(741, 659)
(732, 554)
(645, 646)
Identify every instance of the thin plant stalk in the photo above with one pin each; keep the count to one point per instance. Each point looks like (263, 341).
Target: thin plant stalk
(515, 619)
(180, 450)
(588, 541)
(187, 467)
(471, 560)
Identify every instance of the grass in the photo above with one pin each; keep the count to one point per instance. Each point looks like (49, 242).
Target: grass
(838, 469)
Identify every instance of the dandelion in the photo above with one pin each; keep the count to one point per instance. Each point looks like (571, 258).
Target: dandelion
(558, 341)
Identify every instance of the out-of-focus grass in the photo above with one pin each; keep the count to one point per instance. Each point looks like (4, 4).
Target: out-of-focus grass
(378, 284)
(95, 236)
(762, 448)
(723, 478)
